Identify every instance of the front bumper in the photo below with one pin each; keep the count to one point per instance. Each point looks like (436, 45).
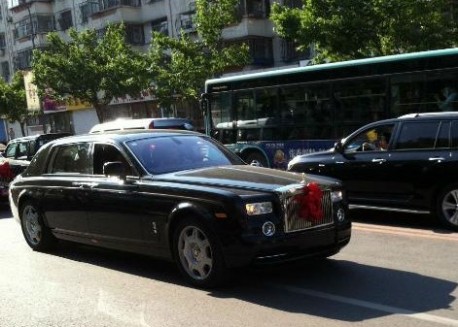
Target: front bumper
(319, 242)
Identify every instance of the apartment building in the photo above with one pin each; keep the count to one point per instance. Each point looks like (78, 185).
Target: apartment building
(24, 24)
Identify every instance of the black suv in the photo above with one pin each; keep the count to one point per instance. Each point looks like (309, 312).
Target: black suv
(406, 164)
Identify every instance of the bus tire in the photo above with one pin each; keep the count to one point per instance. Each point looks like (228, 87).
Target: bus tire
(257, 157)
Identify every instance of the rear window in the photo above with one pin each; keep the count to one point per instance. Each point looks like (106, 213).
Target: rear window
(418, 135)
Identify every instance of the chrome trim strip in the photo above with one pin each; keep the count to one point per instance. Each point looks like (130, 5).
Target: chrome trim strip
(272, 256)
(369, 207)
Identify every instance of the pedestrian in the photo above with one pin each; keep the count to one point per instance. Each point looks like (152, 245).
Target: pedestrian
(11, 133)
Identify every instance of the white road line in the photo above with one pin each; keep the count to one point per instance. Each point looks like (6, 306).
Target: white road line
(369, 305)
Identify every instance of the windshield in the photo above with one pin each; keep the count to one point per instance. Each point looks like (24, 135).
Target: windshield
(160, 155)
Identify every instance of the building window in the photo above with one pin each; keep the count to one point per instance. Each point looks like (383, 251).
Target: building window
(65, 20)
(87, 9)
(23, 59)
(257, 8)
(5, 70)
(135, 34)
(2, 41)
(290, 52)
(187, 21)
(160, 26)
(23, 29)
(106, 4)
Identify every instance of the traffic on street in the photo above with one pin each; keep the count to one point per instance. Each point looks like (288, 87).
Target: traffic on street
(397, 271)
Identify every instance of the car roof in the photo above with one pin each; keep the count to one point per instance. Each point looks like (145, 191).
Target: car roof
(37, 136)
(123, 123)
(440, 114)
(126, 135)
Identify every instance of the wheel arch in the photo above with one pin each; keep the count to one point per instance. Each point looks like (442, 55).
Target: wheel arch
(247, 151)
(183, 210)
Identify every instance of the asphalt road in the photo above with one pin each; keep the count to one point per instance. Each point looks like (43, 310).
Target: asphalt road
(396, 271)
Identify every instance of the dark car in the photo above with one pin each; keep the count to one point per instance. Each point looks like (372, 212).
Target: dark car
(17, 156)
(405, 164)
(177, 195)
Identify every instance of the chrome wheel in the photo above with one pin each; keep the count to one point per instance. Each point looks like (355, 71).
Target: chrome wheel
(449, 207)
(195, 253)
(32, 226)
(38, 236)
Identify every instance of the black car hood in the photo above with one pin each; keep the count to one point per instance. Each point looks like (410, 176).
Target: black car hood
(243, 177)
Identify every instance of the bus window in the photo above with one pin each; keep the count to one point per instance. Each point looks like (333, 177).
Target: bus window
(359, 102)
(221, 108)
(244, 104)
(439, 91)
(406, 93)
(266, 102)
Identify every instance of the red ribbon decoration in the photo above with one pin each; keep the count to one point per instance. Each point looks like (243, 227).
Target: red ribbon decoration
(310, 203)
(6, 173)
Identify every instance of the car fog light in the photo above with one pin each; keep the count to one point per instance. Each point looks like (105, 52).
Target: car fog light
(268, 228)
(340, 215)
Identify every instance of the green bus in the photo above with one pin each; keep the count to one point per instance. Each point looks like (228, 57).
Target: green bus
(272, 116)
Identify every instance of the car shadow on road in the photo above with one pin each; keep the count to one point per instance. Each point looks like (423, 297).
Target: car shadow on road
(331, 288)
(342, 290)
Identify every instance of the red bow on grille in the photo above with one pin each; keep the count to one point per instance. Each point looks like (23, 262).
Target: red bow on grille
(310, 203)
(6, 173)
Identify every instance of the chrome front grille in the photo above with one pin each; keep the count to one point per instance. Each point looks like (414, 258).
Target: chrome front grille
(293, 222)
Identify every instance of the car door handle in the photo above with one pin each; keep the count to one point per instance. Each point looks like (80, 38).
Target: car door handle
(378, 160)
(84, 184)
(439, 159)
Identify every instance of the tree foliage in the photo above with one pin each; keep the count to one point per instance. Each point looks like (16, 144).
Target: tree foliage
(89, 68)
(350, 29)
(13, 104)
(180, 66)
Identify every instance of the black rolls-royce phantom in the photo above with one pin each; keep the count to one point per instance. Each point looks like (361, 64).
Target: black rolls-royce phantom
(176, 195)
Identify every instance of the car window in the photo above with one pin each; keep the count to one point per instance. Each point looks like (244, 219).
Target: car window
(371, 139)
(11, 151)
(104, 153)
(72, 158)
(418, 135)
(443, 140)
(454, 134)
(22, 150)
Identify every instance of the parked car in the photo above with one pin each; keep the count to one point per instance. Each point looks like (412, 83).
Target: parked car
(17, 156)
(143, 123)
(177, 195)
(406, 164)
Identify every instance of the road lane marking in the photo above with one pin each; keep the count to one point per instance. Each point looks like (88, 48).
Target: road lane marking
(369, 305)
(405, 232)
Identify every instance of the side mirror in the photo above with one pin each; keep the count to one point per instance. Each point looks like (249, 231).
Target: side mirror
(338, 147)
(115, 168)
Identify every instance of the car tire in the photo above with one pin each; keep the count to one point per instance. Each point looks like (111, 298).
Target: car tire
(256, 156)
(447, 207)
(198, 254)
(36, 233)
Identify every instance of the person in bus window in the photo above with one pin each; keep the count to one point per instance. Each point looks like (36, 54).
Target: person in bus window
(450, 96)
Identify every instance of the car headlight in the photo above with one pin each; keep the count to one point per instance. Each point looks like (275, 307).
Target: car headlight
(336, 196)
(258, 208)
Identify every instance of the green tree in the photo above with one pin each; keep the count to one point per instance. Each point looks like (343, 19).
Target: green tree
(351, 29)
(13, 103)
(180, 66)
(89, 68)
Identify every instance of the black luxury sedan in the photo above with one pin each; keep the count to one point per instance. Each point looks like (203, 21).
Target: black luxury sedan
(176, 195)
(406, 164)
